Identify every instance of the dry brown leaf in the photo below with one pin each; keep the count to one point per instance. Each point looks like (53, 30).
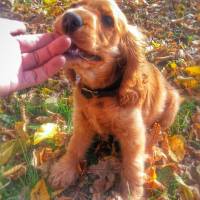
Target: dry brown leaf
(106, 171)
(109, 164)
(104, 183)
(42, 155)
(15, 172)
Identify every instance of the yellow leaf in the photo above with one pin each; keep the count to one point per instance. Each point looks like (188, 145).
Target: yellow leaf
(49, 2)
(155, 44)
(180, 10)
(173, 65)
(46, 131)
(7, 151)
(193, 70)
(39, 192)
(177, 146)
(15, 172)
(57, 10)
(46, 91)
(188, 82)
(151, 173)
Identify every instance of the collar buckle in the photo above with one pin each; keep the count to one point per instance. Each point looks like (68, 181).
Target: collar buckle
(89, 93)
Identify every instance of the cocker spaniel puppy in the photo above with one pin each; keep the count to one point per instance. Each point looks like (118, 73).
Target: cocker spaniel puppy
(116, 90)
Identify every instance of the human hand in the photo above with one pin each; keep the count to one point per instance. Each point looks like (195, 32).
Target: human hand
(28, 60)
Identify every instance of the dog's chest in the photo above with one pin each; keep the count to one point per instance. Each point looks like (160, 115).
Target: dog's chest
(100, 114)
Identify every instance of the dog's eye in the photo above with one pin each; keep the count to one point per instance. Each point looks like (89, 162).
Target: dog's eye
(107, 21)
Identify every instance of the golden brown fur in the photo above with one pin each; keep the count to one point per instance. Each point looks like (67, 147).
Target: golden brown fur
(144, 96)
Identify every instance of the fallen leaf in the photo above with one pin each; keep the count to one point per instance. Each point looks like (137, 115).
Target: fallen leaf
(159, 155)
(106, 171)
(151, 173)
(7, 150)
(156, 44)
(188, 82)
(39, 192)
(154, 185)
(49, 2)
(193, 70)
(180, 10)
(173, 65)
(42, 155)
(165, 175)
(103, 184)
(177, 147)
(46, 131)
(186, 192)
(15, 172)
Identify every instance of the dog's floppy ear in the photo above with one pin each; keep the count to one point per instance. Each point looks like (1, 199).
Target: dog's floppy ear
(131, 47)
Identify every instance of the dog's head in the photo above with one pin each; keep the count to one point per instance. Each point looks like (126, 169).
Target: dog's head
(104, 46)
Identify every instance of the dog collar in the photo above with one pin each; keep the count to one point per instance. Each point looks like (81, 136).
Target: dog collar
(109, 91)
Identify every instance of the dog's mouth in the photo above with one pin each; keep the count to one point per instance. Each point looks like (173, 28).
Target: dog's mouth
(75, 52)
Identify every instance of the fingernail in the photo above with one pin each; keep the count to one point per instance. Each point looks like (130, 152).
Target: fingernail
(68, 41)
(62, 59)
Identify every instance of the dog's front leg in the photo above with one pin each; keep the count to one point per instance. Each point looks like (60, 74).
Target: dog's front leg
(132, 141)
(65, 171)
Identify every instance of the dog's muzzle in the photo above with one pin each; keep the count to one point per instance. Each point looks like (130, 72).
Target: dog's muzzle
(71, 22)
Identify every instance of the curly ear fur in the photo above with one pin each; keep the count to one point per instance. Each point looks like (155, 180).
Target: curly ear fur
(131, 46)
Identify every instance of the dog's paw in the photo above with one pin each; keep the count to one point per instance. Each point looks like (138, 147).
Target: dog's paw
(62, 175)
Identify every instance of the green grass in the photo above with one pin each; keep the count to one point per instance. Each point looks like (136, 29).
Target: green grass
(66, 111)
(14, 189)
(40, 107)
(183, 117)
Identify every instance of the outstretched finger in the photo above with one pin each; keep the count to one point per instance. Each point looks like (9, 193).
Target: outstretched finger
(32, 42)
(39, 57)
(41, 74)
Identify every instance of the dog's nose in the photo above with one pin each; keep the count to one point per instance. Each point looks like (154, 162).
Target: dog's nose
(71, 22)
